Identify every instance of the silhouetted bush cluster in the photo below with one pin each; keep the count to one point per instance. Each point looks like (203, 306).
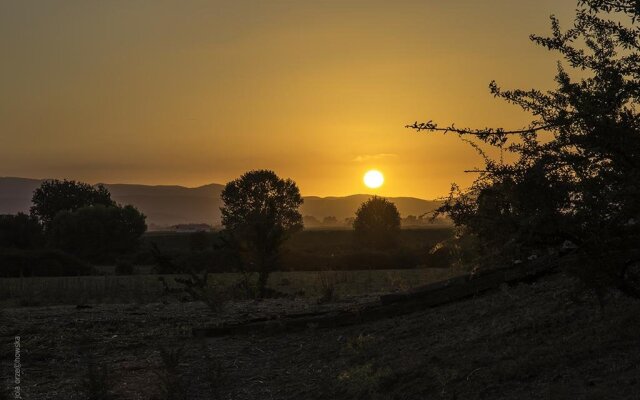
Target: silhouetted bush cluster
(97, 233)
(68, 219)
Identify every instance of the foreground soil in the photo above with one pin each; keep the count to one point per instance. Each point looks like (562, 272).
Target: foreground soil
(545, 340)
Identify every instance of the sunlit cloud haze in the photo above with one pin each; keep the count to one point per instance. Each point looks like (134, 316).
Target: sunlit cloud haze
(193, 92)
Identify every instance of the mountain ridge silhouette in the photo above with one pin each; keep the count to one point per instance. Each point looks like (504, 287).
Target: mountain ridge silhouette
(167, 205)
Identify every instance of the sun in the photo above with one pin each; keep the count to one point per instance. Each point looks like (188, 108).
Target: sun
(373, 179)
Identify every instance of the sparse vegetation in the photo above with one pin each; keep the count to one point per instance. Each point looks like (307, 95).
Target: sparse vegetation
(327, 283)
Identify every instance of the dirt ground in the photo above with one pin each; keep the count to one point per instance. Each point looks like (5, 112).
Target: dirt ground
(532, 341)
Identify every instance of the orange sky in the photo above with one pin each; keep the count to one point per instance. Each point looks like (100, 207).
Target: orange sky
(193, 92)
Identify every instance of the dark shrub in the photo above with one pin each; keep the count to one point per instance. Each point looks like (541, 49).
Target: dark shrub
(20, 231)
(405, 258)
(46, 262)
(377, 223)
(199, 241)
(124, 267)
(98, 233)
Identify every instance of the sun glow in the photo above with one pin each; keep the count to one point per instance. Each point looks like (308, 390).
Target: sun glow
(373, 179)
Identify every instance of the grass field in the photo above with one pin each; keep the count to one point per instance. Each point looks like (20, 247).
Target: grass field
(147, 288)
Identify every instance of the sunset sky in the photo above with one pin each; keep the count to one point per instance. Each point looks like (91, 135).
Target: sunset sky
(195, 92)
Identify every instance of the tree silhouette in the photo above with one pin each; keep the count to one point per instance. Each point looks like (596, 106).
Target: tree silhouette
(260, 212)
(377, 223)
(54, 196)
(577, 165)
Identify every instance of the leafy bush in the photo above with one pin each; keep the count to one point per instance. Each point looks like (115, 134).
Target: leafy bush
(55, 196)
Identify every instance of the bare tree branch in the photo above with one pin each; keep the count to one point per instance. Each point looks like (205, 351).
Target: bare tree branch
(433, 127)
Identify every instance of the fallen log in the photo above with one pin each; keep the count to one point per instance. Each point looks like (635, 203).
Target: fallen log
(390, 305)
(473, 283)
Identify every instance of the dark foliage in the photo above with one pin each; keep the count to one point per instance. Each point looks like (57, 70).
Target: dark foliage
(98, 233)
(20, 231)
(54, 196)
(40, 262)
(377, 223)
(576, 167)
(124, 267)
(260, 212)
(308, 250)
(199, 241)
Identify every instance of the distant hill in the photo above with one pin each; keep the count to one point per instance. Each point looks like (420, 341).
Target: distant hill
(171, 205)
